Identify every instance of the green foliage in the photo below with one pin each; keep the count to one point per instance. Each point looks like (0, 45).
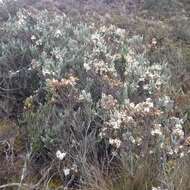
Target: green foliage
(95, 100)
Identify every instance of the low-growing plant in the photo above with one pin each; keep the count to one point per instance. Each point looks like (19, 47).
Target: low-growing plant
(99, 108)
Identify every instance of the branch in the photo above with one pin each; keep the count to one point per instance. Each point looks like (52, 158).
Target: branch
(15, 184)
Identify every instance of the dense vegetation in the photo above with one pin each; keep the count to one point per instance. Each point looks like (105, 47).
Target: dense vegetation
(95, 95)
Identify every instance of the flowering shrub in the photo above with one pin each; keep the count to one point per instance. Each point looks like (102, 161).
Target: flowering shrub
(98, 102)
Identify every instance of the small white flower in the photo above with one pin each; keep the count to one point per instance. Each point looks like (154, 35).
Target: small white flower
(118, 143)
(176, 150)
(178, 132)
(33, 37)
(120, 32)
(115, 142)
(58, 33)
(39, 42)
(139, 141)
(181, 147)
(178, 125)
(146, 87)
(149, 102)
(142, 79)
(60, 155)
(46, 72)
(87, 66)
(170, 151)
(102, 134)
(156, 131)
(151, 152)
(162, 145)
(182, 154)
(157, 67)
(147, 109)
(132, 105)
(66, 171)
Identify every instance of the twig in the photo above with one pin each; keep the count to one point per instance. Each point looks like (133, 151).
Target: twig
(24, 170)
(16, 184)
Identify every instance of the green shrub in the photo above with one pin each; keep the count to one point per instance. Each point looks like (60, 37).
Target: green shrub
(96, 106)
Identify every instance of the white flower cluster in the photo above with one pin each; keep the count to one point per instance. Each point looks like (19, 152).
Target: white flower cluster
(108, 102)
(21, 19)
(145, 107)
(104, 40)
(156, 130)
(115, 142)
(60, 155)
